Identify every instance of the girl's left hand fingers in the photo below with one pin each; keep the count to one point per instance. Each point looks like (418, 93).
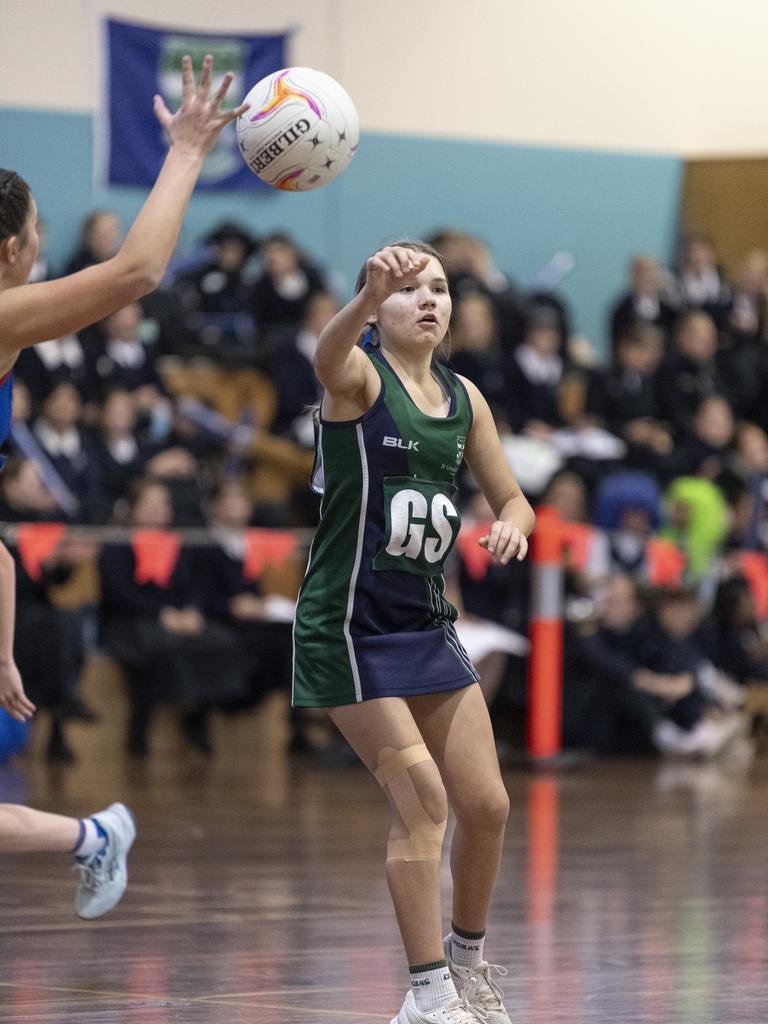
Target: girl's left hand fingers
(494, 537)
(510, 545)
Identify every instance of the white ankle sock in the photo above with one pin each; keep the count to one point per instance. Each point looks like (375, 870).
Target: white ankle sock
(432, 985)
(92, 839)
(466, 947)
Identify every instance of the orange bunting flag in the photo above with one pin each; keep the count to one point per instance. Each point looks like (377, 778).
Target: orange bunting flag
(37, 542)
(754, 565)
(476, 560)
(156, 553)
(266, 547)
(578, 539)
(666, 563)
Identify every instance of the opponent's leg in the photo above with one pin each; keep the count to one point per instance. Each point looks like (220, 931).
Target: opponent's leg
(100, 845)
(24, 830)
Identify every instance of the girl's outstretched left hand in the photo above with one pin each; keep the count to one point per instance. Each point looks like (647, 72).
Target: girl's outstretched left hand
(505, 541)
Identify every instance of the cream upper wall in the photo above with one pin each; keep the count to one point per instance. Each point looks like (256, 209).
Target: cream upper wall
(685, 77)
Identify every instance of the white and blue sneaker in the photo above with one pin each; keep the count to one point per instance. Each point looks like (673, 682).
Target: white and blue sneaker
(104, 875)
(477, 988)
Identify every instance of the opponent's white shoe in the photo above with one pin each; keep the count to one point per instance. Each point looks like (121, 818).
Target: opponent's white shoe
(457, 1011)
(478, 989)
(104, 875)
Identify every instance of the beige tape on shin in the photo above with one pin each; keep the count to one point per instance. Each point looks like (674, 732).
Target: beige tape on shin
(425, 836)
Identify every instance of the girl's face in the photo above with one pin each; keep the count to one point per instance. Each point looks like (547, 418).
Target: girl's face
(419, 313)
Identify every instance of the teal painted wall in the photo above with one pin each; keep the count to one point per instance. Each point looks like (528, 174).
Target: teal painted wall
(527, 202)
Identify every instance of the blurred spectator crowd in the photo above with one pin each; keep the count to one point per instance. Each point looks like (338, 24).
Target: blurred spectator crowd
(194, 409)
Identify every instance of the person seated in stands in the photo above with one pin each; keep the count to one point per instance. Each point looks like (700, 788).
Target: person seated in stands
(49, 640)
(706, 720)
(69, 449)
(23, 497)
(282, 290)
(535, 374)
(216, 293)
(689, 374)
(125, 361)
(699, 283)
(153, 625)
(471, 269)
(99, 240)
(622, 398)
(696, 521)
(749, 307)
(117, 449)
(475, 350)
(612, 703)
(43, 366)
(231, 598)
(708, 450)
(735, 639)
(751, 447)
(644, 302)
(294, 379)
(628, 511)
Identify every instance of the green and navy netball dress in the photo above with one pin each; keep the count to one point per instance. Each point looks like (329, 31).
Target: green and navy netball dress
(371, 619)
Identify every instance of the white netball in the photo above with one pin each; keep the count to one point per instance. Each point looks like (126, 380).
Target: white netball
(301, 132)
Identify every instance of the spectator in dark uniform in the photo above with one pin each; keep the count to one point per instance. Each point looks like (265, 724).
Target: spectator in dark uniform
(232, 599)
(43, 366)
(689, 374)
(535, 374)
(70, 450)
(117, 450)
(644, 302)
(700, 284)
(282, 290)
(158, 633)
(475, 350)
(293, 376)
(216, 294)
(99, 240)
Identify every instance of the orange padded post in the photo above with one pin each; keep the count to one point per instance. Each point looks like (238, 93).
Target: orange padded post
(545, 664)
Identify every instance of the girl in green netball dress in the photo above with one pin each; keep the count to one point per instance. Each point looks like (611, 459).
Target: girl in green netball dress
(374, 637)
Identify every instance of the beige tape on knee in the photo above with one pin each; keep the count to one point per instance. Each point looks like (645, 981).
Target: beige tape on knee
(425, 836)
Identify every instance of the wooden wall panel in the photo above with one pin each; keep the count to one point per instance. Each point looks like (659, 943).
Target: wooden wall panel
(728, 200)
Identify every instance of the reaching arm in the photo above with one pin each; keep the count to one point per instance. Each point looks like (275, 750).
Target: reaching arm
(340, 365)
(38, 312)
(485, 457)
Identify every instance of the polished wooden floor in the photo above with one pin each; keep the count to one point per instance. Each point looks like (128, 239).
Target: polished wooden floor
(630, 892)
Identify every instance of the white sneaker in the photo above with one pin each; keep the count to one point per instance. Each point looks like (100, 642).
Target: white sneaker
(456, 1012)
(104, 875)
(477, 988)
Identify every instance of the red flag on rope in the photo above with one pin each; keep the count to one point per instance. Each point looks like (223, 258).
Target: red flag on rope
(156, 553)
(36, 542)
(754, 565)
(266, 547)
(666, 563)
(578, 538)
(476, 559)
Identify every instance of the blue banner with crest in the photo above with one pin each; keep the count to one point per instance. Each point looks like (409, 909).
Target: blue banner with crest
(142, 61)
